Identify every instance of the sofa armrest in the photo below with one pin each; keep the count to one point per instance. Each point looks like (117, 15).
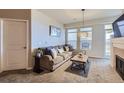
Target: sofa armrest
(47, 60)
(47, 57)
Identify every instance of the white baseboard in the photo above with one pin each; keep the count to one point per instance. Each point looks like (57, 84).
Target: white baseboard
(29, 68)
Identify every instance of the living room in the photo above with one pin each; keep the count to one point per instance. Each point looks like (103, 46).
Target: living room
(61, 46)
(84, 31)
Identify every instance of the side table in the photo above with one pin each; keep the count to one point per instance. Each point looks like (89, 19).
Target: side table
(37, 67)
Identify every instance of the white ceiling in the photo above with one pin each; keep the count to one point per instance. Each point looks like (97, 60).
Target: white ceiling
(66, 16)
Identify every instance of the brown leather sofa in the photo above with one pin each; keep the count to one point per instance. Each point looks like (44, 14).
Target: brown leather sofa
(50, 63)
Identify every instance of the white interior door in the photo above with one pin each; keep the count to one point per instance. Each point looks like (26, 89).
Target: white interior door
(15, 44)
(0, 46)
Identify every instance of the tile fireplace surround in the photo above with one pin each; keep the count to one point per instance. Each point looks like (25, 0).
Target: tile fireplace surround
(117, 48)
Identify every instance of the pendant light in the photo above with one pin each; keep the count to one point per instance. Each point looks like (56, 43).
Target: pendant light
(83, 10)
(83, 45)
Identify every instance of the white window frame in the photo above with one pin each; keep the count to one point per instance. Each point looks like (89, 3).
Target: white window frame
(72, 32)
(90, 46)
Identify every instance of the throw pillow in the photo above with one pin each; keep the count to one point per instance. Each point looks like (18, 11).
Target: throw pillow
(66, 48)
(60, 50)
(54, 53)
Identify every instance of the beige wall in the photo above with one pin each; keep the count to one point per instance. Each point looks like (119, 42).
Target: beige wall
(24, 14)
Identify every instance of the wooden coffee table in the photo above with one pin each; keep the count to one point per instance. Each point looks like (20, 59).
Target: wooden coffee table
(79, 61)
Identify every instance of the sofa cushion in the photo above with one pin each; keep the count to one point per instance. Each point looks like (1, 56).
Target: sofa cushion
(48, 50)
(54, 53)
(65, 55)
(57, 60)
(60, 50)
(69, 53)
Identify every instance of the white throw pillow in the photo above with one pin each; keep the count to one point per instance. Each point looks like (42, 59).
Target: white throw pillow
(66, 48)
(60, 50)
(54, 53)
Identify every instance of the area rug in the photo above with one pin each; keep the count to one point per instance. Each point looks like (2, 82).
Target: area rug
(78, 71)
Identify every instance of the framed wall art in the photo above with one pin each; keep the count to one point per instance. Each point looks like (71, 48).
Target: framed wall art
(54, 31)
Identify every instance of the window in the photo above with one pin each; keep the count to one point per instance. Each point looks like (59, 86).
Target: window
(109, 33)
(72, 37)
(85, 38)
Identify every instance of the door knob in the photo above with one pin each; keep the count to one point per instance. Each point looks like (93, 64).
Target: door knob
(25, 47)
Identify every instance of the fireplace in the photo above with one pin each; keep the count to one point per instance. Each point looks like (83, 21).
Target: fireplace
(120, 66)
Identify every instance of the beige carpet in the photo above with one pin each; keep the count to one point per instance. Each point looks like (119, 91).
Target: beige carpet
(99, 72)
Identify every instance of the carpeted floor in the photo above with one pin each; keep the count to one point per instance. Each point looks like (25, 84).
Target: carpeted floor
(99, 72)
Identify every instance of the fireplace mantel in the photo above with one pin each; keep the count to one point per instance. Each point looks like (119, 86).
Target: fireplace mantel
(116, 43)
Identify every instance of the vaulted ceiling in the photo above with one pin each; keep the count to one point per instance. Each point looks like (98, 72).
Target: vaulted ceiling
(66, 16)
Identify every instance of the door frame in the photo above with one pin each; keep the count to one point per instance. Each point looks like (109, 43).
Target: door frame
(2, 45)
